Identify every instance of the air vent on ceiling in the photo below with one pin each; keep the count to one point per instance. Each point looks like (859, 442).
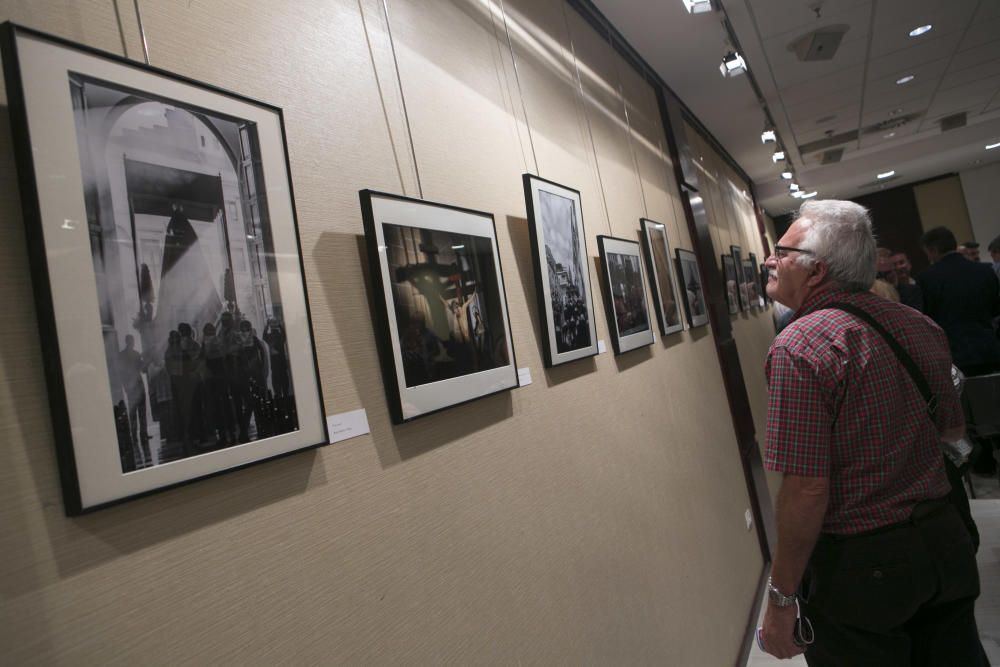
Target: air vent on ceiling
(954, 121)
(832, 155)
(821, 44)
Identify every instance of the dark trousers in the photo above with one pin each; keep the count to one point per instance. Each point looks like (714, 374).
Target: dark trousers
(904, 595)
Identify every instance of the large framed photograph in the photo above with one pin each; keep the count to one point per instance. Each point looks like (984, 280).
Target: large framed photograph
(167, 271)
(440, 305)
(624, 294)
(692, 288)
(732, 284)
(562, 272)
(661, 278)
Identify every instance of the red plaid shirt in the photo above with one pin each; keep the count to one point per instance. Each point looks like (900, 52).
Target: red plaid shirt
(840, 405)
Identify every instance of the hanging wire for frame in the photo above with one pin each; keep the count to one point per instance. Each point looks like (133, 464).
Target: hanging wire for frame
(402, 97)
(520, 93)
(628, 125)
(142, 31)
(586, 117)
(504, 84)
(381, 97)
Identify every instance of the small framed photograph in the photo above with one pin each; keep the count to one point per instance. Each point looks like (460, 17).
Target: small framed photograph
(741, 280)
(661, 277)
(624, 294)
(750, 276)
(440, 306)
(167, 271)
(732, 285)
(758, 298)
(692, 288)
(562, 271)
(763, 284)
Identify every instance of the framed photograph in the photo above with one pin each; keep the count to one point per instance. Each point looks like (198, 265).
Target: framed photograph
(692, 288)
(661, 278)
(440, 305)
(750, 276)
(562, 271)
(763, 284)
(741, 280)
(732, 284)
(167, 271)
(624, 294)
(759, 292)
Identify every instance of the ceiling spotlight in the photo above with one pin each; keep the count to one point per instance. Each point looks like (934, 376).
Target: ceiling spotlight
(732, 65)
(793, 187)
(924, 29)
(778, 156)
(702, 6)
(809, 195)
(768, 136)
(795, 193)
(990, 147)
(906, 79)
(786, 175)
(887, 174)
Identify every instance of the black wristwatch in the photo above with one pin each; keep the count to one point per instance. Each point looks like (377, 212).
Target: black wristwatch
(777, 598)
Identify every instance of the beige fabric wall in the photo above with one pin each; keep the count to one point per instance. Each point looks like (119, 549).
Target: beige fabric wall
(595, 516)
(941, 203)
(732, 221)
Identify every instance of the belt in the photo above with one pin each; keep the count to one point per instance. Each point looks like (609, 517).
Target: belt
(921, 511)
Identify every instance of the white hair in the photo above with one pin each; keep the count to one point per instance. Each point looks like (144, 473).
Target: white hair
(840, 234)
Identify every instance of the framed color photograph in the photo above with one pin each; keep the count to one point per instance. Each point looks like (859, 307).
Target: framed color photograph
(562, 273)
(732, 285)
(167, 271)
(661, 278)
(440, 305)
(692, 288)
(624, 294)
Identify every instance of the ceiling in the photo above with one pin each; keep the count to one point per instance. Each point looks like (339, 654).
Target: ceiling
(850, 102)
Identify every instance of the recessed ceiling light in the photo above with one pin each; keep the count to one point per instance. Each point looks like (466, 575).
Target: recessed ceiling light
(787, 175)
(906, 79)
(887, 174)
(990, 147)
(808, 195)
(921, 30)
(888, 135)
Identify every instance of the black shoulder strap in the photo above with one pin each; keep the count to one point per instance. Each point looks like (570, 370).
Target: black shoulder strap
(904, 358)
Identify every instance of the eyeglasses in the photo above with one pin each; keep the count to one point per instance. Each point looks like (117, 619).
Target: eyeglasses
(781, 251)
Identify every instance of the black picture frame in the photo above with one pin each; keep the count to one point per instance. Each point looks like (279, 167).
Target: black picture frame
(731, 283)
(624, 288)
(763, 285)
(761, 298)
(750, 285)
(440, 344)
(692, 287)
(661, 277)
(559, 255)
(104, 445)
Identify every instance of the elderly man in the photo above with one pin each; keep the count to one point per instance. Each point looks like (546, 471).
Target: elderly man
(868, 545)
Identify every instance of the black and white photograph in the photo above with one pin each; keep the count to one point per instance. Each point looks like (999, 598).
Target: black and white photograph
(759, 292)
(438, 291)
(765, 299)
(185, 260)
(562, 275)
(661, 277)
(732, 287)
(741, 279)
(624, 294)
(692, 287)
(750, 286)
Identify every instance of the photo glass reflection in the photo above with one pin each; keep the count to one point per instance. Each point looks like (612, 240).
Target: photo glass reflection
(187, 285)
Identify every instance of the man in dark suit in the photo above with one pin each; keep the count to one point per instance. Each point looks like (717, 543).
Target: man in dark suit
(962, 297)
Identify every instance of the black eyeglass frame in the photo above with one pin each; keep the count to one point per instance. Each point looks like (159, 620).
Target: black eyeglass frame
(781, 251)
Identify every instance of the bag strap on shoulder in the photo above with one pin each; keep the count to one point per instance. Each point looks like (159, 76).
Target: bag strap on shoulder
(904, 358)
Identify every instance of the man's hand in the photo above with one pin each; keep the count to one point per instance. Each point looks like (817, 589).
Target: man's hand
(779, 632)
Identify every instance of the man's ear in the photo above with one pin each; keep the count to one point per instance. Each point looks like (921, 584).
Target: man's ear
(820, 269)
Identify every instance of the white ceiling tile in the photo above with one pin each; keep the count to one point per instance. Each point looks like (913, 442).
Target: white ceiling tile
(914, 55)
(924, 73)
(977, 54)
(788, 70)
(791, 19)
(982, 31)
(846, 82)
(987, 76)
(913, 96)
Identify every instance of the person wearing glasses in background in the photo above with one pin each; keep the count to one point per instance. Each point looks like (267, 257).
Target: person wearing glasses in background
(873, 565)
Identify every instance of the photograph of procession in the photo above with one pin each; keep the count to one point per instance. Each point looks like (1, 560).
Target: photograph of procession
(446, 299)
(180, 238)
(624, 294)
(662, 277)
